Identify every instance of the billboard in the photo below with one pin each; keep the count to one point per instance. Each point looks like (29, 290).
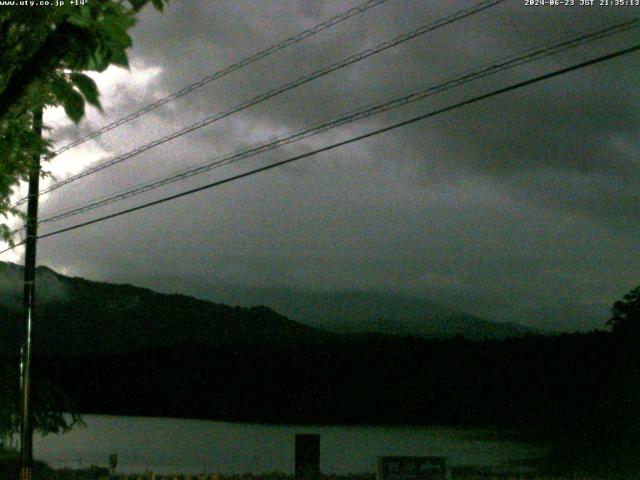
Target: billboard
(412, 468)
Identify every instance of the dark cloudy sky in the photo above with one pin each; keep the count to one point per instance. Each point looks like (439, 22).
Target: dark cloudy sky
(524, 207)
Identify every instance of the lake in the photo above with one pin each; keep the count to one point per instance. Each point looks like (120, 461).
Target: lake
(166, 445)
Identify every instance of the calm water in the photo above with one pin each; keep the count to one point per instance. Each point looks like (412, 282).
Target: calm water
(165, 445)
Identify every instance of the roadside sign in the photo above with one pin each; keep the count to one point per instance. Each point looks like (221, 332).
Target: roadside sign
(412, 468)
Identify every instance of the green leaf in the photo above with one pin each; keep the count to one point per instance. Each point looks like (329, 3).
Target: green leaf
(116, 34)
(81, 17)
(79, 21)
(119, 57)
(78, 55)
(59, 87)
(138, 4)
(87, 87)
(121, 17)
(74, 106)
(70, 99)
(99, 60)
(158, 4)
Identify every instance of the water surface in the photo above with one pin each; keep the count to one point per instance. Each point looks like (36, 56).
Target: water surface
(165, 445)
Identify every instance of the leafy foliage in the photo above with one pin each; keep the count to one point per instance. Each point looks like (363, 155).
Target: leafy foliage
(625, 315)
(44, 51)
(53, 411)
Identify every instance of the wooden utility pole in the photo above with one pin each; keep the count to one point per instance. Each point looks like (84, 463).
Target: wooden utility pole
(26, 426)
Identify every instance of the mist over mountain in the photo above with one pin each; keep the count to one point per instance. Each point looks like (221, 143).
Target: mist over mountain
(356, 311)
(77, 316)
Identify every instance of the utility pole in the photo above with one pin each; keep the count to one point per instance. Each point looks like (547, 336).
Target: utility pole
(26, 427)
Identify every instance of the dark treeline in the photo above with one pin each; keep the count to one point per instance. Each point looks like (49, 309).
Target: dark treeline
(571, 388)
(578, 391)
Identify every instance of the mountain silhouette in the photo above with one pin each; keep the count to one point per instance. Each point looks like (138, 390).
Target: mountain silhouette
(77, 316)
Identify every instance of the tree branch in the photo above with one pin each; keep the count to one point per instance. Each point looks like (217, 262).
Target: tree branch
(46, 59)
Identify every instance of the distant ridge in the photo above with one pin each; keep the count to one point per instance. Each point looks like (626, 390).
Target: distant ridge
(354, 311)
(77, 316)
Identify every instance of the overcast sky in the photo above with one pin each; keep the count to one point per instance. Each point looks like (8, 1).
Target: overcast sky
(523, 207)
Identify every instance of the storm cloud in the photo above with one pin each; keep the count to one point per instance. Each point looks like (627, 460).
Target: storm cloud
(523, 207)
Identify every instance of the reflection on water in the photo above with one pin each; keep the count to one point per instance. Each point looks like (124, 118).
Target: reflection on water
(165, 445)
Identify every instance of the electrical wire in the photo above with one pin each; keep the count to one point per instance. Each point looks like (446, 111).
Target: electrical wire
(218, 75)
(379, 131)
(521, 58)
(277, 91)
(226, 71)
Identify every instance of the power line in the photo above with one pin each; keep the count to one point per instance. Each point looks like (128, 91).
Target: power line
(279, 90)
(522, 58)
(346, 142)
(218, 75)
(226, 71)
